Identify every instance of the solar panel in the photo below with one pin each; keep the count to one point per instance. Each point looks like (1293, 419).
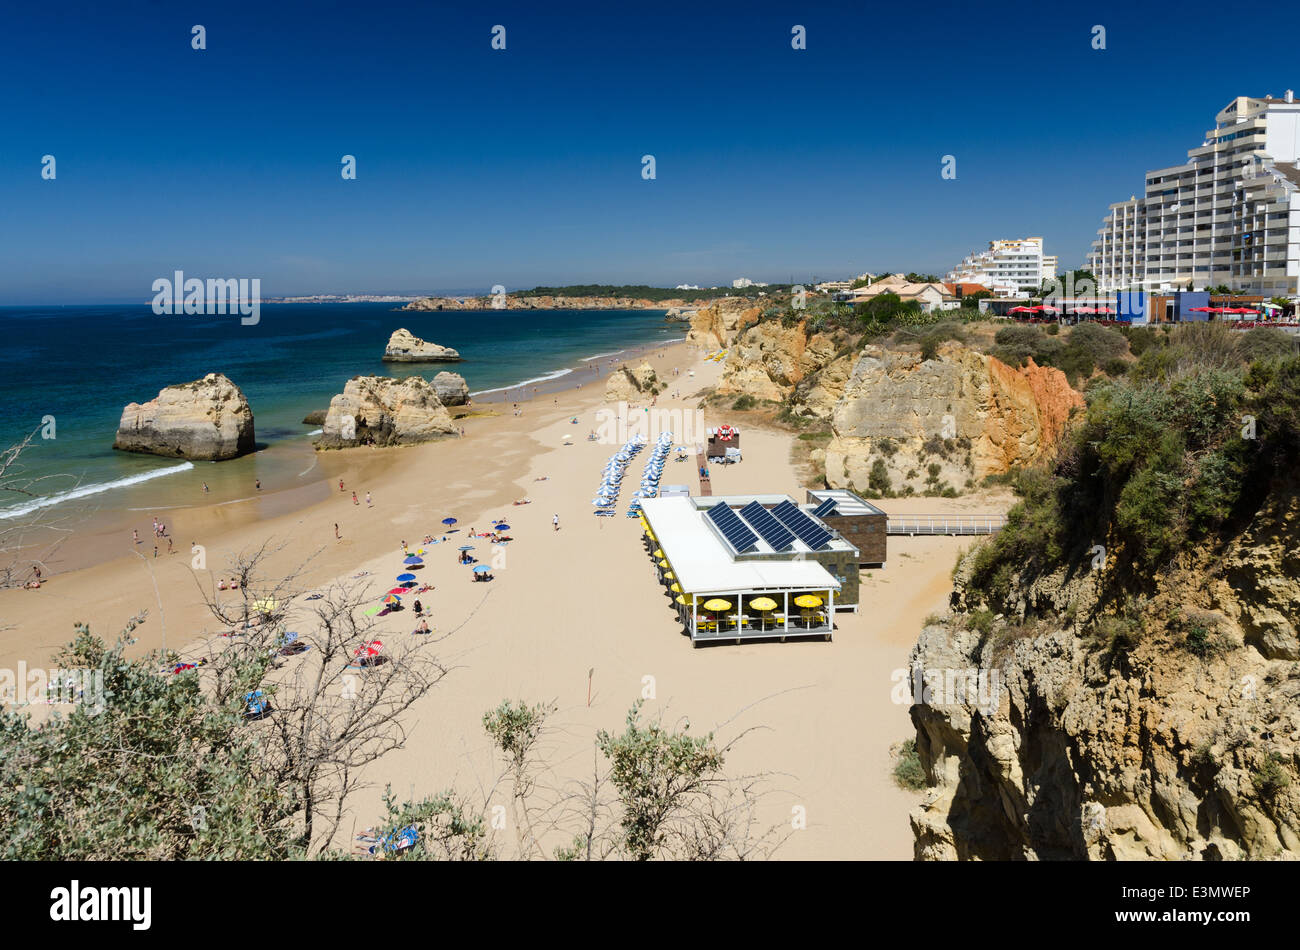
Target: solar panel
(825, 508)
(733, 529)
(804, 528)
(768, 528)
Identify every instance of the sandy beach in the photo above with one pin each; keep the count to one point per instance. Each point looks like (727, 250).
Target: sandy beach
(563, 603)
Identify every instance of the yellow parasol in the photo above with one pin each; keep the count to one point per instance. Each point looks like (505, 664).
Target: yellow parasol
(808, 600)
(676, 588)
(763, 603)
(669, 576)
(682, 600)
(663, 563)
(266, 605)
(659, 553)
(716, 604)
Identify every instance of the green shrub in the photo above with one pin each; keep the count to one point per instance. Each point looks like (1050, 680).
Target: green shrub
(908, 772)
(1270, 778)
(878, 479)
(743, 402)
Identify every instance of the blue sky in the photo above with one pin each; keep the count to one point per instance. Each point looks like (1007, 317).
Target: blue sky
(523, 167)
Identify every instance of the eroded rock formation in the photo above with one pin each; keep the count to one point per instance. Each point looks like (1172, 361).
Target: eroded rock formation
(965, 411)
(451, 388)
(715, 326)
(207, 419)
(404, 347)
(385, 411)
(628, 385)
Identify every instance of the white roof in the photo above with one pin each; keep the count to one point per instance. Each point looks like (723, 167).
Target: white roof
(703, 565)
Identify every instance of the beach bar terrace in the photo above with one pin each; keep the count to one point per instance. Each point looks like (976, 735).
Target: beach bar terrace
(749, 567)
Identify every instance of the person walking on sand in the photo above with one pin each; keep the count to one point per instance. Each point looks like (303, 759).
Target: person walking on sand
(340, 484)
(169, 546)
(337, 536)
(354, 499)
(369, 503)
(135, 535)
(555, 521)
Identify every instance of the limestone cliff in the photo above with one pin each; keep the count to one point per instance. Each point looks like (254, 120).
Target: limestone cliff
(963, 411)
(1120, 675)
(405, 347)
(385, 411)
(768, 360)
(628, 385)
(1065, 745)
(206, 419)
(715, 326)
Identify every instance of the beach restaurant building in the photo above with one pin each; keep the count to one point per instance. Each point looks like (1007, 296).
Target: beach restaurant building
(750, 566)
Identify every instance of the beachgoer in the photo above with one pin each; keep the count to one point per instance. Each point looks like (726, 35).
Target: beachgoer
(258, 484)
(205, 488)
(221, 584)
(419, 609)
(354, 499)
(135, 536)
(336, 531)
(555, 521)
(169, 546)
(340, 484)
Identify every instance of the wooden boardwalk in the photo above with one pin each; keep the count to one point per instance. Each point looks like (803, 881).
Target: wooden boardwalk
(702, 465)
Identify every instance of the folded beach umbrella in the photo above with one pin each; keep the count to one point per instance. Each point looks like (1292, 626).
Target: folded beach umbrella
(413, 559)
(406, 577)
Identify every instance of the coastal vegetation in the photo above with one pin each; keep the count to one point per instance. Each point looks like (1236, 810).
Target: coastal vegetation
(175, 761)
(1163, 464)
(1139, 609)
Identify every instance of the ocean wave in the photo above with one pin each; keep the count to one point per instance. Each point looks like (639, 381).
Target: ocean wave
(588, 359)
(26, 508)
(527, 382)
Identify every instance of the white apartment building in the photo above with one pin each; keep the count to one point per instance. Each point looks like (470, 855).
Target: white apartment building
(1009, 268)
(1229, 215)
(740, 283)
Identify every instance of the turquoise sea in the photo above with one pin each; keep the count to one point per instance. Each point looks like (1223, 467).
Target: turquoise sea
(81, 365)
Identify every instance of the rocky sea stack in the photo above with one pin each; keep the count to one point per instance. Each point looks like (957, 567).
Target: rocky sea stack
(385, 411)
(405, 347)
(451, 388)
(207, 419)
